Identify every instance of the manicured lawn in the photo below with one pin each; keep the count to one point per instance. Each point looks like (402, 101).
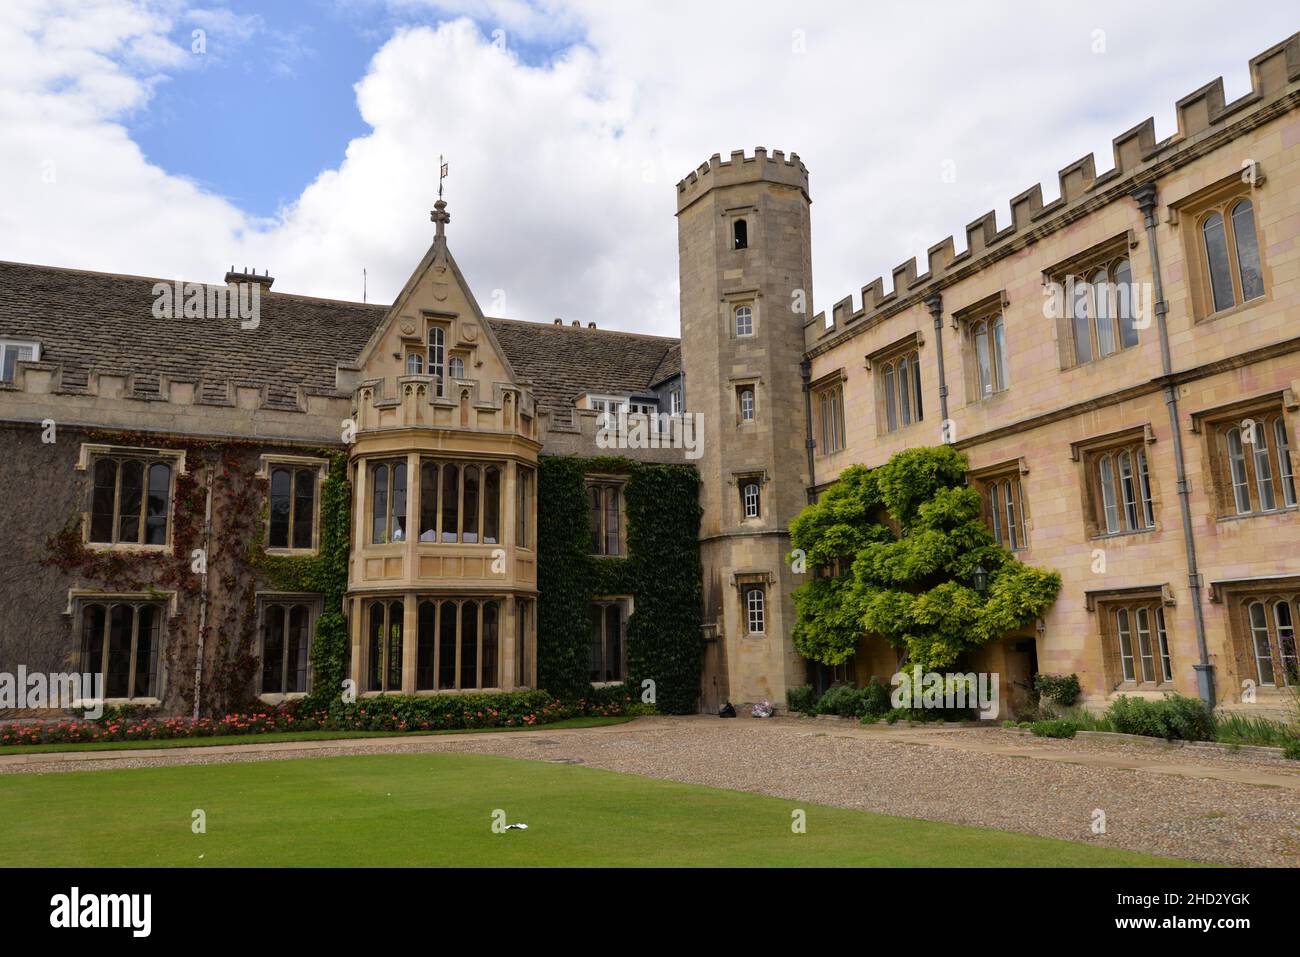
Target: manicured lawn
(593, 721)
(436, 810)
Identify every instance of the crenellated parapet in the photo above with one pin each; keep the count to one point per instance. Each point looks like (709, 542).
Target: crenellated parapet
(1202, 118)
(773, 168)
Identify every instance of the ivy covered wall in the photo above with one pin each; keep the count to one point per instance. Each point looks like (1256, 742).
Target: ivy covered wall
(661, 572)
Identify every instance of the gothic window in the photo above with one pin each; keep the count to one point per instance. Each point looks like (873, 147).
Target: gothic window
(292, 518)
(388, 502)
(1230, 246)
(1138, 645)
(740, 234)
(1004, 509)
(988, 343)
(121, 641)
(899, 389)
(286, 647)
(1102, 310)
(1119, 488)
(385, 645)
(830, 407)
(607, 618)
(457, 367)
(414, 364)
(437, 355)
(749, 499)
(605, 501)
(130, 502)
(1251, 458)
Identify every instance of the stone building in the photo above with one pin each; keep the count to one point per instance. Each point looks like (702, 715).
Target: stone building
(1119, 364)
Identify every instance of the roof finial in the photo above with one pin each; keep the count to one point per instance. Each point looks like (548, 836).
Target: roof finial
(439, 215)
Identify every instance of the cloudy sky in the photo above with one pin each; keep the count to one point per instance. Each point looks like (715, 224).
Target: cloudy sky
(162, 138)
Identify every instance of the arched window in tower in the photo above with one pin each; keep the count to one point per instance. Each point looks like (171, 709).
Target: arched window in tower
(749, 498)
(740, 234)
(746, 399)
(744, 321)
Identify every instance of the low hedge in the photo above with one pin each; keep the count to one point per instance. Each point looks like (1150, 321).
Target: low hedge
(1053, 729)
(445, 712)
(1174, 718)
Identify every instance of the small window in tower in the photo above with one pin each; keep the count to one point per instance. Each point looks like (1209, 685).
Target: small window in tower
(740, 234)
(744, 321)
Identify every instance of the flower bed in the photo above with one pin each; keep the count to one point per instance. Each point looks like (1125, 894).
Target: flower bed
(388, 713)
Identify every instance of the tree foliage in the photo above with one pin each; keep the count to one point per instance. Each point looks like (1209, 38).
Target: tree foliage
(896, 548)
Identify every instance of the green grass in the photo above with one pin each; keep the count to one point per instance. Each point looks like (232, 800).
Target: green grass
(436, 810)
(273, 737)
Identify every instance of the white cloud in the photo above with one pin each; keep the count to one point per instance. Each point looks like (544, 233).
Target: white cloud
(562, 174)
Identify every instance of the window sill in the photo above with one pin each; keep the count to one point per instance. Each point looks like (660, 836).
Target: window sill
(1094, 362)
(133, 702)
(291, 552)
(281, 697)
(608, 684)
(1290, 509)
(1105, 536)
(1233, 310)
(901, 429)
(755, 634)
(595, 555)
(127, 547)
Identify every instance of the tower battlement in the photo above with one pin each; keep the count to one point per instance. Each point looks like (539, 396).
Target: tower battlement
(773, 168)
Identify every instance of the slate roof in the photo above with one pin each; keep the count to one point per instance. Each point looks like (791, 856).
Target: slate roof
(84, 319)
(104, 320)
(564, 361)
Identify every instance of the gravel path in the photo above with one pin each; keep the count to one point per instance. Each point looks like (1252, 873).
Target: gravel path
(1156, 800)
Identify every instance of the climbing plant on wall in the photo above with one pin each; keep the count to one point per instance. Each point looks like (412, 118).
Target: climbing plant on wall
(661, 571)
(901, 543)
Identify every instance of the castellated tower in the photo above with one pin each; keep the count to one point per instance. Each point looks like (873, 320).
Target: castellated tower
(745, 260)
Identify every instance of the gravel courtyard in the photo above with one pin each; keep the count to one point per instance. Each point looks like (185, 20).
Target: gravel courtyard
(1222, 808)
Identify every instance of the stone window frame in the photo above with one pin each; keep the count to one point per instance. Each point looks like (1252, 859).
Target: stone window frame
(625, 605)
(828, 404)
(1002, 479)
(1120, 612)
(415, 501)
(1062, 279)
(1238, 597)
(266, 465)
(1101, 455)
(607, 484)
(746, 582)
(1259, 415)
(735, 299)
(313, 603)
(486, 638)
(741, 385)
(888, 371)
(983, 314)
(1190, 214)
(390, 462)
(742, 480)
(82, 601)
(90, 453)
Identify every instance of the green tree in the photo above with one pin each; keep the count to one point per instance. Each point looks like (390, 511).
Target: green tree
(897, 547)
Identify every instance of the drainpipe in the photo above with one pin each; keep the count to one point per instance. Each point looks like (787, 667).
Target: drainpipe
(934, 302)
(203, 593)
(805, 373)
(1145, 195)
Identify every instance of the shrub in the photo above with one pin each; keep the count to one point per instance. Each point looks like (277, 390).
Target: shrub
(875, 698)
(1175, 718)
(1292, 749)
(1008, 724)
(1054, 729)
(801, 699)
(843, 700)
(1236, 728)
(1060, 689)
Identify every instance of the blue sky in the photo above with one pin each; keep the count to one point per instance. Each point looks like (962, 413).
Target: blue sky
(304, 138)
(290, 93)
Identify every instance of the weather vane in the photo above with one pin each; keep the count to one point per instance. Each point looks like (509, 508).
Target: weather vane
(442, 173)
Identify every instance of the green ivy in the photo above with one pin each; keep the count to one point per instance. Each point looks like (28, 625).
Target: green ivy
(906, 538)
(662, 572)
(325, 573)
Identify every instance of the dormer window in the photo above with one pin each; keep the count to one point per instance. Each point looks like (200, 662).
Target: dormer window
(740, 234)
(12, 353)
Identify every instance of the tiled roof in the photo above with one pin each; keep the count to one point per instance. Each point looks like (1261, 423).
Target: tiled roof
(105, 321)
(101, 320)
(563, 361)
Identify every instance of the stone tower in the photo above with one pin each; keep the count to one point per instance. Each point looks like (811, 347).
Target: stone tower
(745, 261)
